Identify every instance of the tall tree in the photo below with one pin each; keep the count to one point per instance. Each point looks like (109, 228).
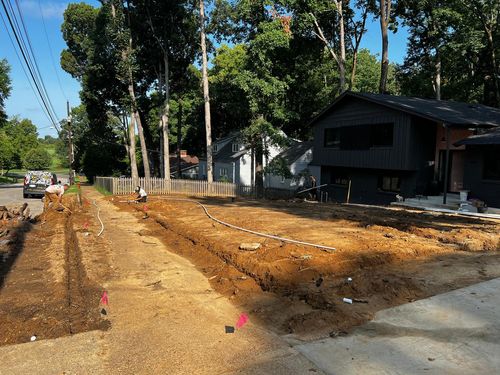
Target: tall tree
(4, 88)
(385, 9)
(206, 94)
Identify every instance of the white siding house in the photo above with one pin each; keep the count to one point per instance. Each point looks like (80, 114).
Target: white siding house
(298, 157)
(232, 161)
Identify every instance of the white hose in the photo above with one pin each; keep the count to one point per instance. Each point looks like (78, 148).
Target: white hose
(248, 230)
(99, 218)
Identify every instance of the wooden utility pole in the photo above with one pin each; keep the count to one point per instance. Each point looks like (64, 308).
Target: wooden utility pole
(71, 151)
(206, 96)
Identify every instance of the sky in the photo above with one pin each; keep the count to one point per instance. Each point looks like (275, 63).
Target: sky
(43, 19)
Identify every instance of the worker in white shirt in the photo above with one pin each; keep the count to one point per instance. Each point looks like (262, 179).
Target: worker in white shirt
(54, 193)
(142, 196)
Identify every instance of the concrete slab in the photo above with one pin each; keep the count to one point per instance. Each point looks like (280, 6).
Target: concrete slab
(452, 333)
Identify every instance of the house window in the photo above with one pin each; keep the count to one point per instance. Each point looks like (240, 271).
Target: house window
(342, 180)
(223, 172)
(381, 135)
(491, 165)
(360, 137)
(389, 183)
(214, 148)
(332, 137)
(236, 147)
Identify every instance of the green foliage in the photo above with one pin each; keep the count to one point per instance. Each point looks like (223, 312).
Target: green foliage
(5, 87)
(278, 167)
(7, 152)
(37, 159)
(23, 136)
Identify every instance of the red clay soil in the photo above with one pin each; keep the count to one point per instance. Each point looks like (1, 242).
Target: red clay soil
(393, 257)
(44, 289)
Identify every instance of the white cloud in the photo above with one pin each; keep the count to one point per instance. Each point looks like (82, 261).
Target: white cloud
(50, 9)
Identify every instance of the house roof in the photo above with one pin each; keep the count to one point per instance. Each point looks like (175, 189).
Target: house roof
(445, 111)
(187, 162)
(295, 151)
(491, 137)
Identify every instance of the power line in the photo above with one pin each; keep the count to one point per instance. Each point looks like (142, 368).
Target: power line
(24, 69)
(51, 51)
(30, 61)
(34, 58)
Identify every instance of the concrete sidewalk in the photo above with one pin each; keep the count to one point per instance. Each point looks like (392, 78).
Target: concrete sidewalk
(452, 333)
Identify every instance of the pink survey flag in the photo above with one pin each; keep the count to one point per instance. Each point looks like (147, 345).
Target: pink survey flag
(145, 208)
(242, 320)
(104, 298)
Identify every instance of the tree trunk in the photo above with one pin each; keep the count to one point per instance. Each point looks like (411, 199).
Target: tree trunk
(131, 136)
(140, 131)
(385, 12)
(342, 46)
(206, 96)
(494, 66)
(179, 139)
(165, 118)
(357, 41)
(437, 78)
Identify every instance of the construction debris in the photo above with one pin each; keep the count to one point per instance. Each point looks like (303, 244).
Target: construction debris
(19, 213)
(347, 300)
(249, 246)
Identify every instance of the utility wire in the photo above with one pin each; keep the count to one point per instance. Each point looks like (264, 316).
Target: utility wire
(44, 110)
(51, 51)
(34, 57)
(14, 25)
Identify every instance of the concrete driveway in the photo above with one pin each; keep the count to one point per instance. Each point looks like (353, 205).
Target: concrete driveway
(12, 194)
(452, 333)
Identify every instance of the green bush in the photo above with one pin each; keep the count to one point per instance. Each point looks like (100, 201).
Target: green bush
(37, 159)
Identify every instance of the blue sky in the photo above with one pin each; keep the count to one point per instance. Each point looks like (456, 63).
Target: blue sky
(23, 102)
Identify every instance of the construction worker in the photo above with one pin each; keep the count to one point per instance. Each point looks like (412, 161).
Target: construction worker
(54, 193)
(314, 192)
(142, 196)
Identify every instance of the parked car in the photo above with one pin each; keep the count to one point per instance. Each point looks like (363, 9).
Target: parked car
(35, 183)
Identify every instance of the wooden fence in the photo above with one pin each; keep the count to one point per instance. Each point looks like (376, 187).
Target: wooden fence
(160, 186)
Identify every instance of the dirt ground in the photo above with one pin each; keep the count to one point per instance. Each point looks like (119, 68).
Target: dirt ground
(44, 288)
(393, 256)
(53, 271)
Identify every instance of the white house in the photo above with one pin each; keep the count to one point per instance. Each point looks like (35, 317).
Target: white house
(298, 157)
(233, 161)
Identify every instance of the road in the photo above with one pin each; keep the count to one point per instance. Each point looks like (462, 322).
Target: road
(12, 194)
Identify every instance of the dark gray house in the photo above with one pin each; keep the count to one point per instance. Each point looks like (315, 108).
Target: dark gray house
(482, 166)
(384, 145)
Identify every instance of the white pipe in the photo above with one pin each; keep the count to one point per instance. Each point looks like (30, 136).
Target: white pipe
(316, 187)
(99, 218)
(247, 230)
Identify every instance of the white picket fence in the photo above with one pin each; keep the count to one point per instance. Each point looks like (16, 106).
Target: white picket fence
(160, 186)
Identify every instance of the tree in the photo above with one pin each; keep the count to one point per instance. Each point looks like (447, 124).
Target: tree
(7, 152)
(37, 159)
(23, 136)
(5, 88)
(385, 18)
(206, 95)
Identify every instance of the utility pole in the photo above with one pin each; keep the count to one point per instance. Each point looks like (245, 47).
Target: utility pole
(71, 152)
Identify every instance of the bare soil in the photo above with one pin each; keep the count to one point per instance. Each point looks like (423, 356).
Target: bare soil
(393, 256)
(44, 289)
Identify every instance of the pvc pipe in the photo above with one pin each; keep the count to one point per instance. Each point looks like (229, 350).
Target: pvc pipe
(99, 218)
(247, 230)
(316, 187)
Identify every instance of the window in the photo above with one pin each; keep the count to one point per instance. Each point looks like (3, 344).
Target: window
(381, 135)
(389, 183)
(214, 148)
(236, 147)
(340, 180)
(223, 172)
(491, 165)
(360, 137)
(332, 137)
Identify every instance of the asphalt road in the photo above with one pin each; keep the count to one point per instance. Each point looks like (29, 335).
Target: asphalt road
(12, 194)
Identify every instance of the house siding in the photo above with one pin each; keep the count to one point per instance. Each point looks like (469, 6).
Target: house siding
(352, 112)
(485, 190)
